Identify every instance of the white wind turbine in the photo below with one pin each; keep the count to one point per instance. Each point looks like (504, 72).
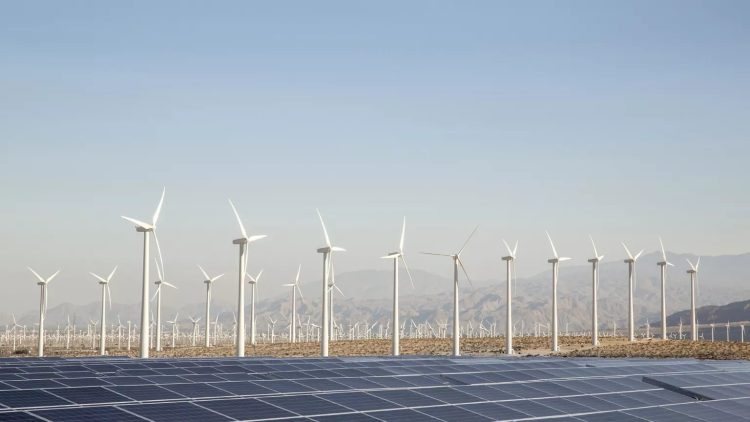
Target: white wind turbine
(42, 307)
(243, 242)
(146, 228)
(510, 266)
(555, 271)
(104, 282)
(456, 263)
(594, 293)
(174, 328)
(253, 292)
(157, 296)
(195, 328)
(295, 290)
(209, 281)
(693, 271)
(663, 264)
(327, 252)
(631, 287)
(395, 256)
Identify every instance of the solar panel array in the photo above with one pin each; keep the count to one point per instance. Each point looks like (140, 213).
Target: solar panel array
(373, 389)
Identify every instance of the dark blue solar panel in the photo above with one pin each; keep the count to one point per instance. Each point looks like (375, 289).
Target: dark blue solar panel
(18, 417)
(89, 395)
(29, 398)
(247, 408)
(405, 415)
(34, 384)
(175, 412)
(495, 411)
(242, 388)
(83, 382)
(197, 390)
(360, 401)
(453, 413)
(351, 417)
(145, 392)
(109, 414)
(283, 386)
(306, 405)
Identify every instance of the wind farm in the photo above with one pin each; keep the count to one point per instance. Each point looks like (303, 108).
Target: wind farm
(374, 211)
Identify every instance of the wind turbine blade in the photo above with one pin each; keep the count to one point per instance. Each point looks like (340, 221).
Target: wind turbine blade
(299, 270)
(515, 249)
(161, 258)
(339, 290)
(698, 264)
(465, 273)
(256, 237)
(467, 240)
(45, 301)
(109, 277)
(288, 285)
(337, 249)
(554, 251)
(36, 275)
(242, 228)
(507, 247)
(435, 254)
(692, 267)
(98, 278)
(217, 277)
(627, 251)
(563, 259)
(403, 234)
(257, 278)
(158, 270)
(158, 208)
(138, 223)
(169, 285)
(638, 255)
(596, 253)
(663, 252)
(296, 286)
(406, 267)
(204, 273)
(325, 232)
(53, 276)
(156, 292)
(109, 295)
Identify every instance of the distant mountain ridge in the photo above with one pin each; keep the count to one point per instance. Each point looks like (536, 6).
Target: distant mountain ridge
(722, 280)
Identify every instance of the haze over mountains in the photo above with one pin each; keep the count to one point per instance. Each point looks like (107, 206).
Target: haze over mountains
(722, 279)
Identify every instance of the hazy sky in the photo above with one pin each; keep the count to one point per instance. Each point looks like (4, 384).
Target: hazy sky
(626, 120)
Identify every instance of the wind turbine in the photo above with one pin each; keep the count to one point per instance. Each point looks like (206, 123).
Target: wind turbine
(254, 292)
(195, 328)
(631, 287)
(693, 271)
(295, 289)
(209, 281)
(594, 293)
(395, 256)
(104, 282)
(43, 282)
(327, 252)
(174, 328)
(663, 264)
(555, 269)
(456, 263)
(243, 242)
(146, 228)
(510, 266)
(157, 296)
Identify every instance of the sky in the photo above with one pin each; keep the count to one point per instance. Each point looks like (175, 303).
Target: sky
(623, 120)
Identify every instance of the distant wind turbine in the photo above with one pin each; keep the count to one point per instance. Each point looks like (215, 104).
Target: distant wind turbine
(663, 264)
(510, 271)
(243, 242)
(693, 271)
(395, 256)
(555, 268)
(295, 290)
(209, 281)
(253, 295)
(327, 252)
(104, 282)
(631, 260)
(157, 296)
(43, 282)
(146, 228)
(456, 263)
(594, 294)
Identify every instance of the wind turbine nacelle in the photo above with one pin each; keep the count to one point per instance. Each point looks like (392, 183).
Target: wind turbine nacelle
(242, 241)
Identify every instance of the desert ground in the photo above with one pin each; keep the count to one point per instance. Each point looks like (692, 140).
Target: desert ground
(488, 346)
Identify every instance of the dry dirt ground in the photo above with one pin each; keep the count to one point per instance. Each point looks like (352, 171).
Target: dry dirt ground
(533, 346)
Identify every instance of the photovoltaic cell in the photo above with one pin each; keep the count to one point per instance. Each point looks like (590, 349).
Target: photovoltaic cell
(243, 409)
(109, 414)
(175, 412)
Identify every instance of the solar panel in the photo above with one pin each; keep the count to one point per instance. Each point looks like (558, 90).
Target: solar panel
(109, 414)
(18, 417)
(30, 398)
(89, 395)
(244, 409)
(175, 412)
(145, 392)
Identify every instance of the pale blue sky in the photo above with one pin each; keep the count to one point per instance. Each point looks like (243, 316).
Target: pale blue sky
(626, 120)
